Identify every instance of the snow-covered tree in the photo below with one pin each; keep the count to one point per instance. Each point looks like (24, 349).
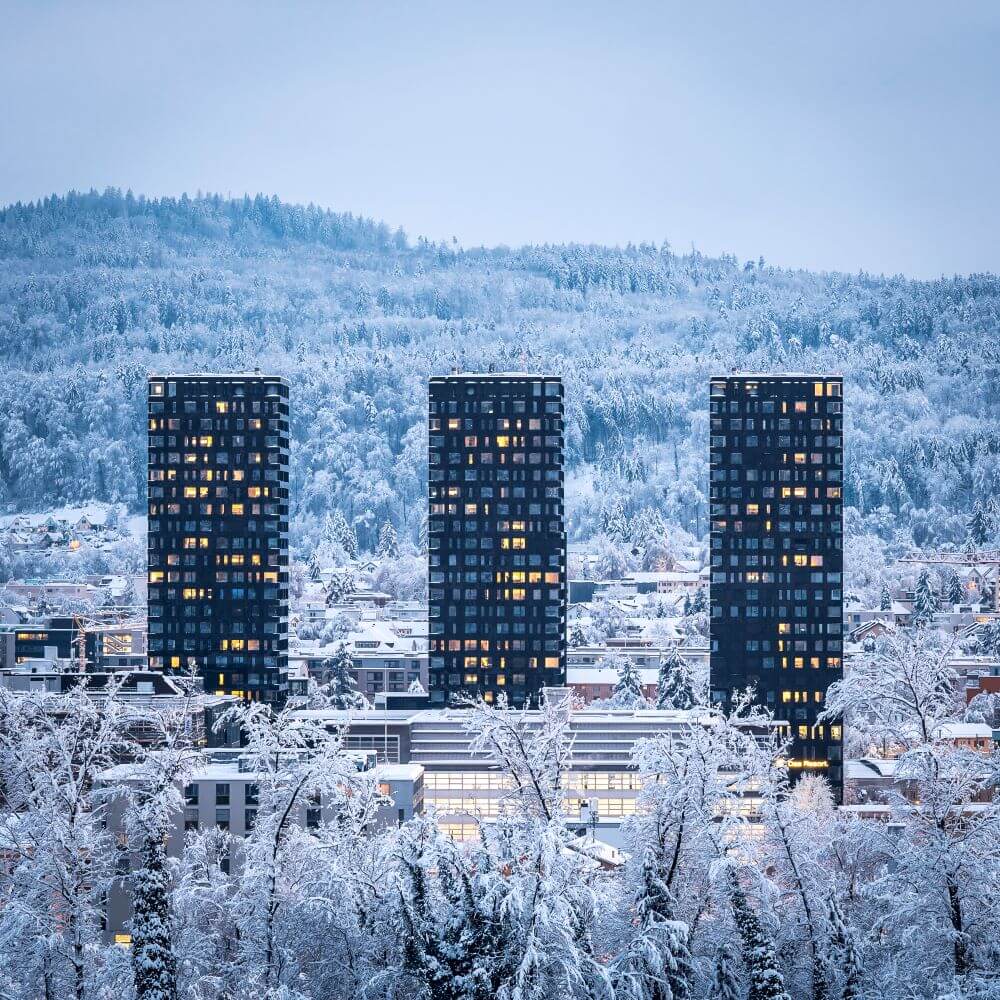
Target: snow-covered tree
(763, 971)
(885, 600)
(338, 674)
(980, 528)
(925, 602)
(656, 963)
(956, 592)
(676, 687)
(628, 691)
(899, 695)
(153, 959)
(725, 978)
(388, 543)
(341, 583)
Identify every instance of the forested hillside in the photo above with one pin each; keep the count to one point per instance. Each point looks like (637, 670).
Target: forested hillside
(96, 290)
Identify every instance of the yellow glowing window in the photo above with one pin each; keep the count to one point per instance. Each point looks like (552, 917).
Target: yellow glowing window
(803, 732)
(753, 578)
(155, 389)
(270, 578)
(221, 407)
(833, 492)
(236, 644)
(786, 696)
(517, 543)
(255, 559)
(800, 662)
(125, 940)
(190, 492)
(239, 475)
(190, 543)
(800, 458)
(503, 441)
(253, 492)
(801, 492)
(801, 406)
(833, 661)
(236, 509)
(236, 559)
(454, 424)
(472, 678)
(253, 645)
(518, 593)
(190, 457)
(471, 508)
(818, 697)
(551, 577)
(222, 679)
(801, 560)
(552, 662)
(156, 576)
(501, 680)
(814, 662)
(517, 526)
(834, 732)
(784, 628)
(203, 543)
(175, 661)
(817, 388)
(189, 593)
(833, 388)
(205, 441)
(815, 560)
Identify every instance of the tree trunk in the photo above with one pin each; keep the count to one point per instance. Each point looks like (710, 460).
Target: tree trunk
(963, 961)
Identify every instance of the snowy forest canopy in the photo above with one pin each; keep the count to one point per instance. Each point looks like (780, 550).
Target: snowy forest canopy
(96, 290)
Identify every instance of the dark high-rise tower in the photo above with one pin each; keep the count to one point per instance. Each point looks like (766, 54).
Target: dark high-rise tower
(218, 530)
(777, 560)
(496, 537)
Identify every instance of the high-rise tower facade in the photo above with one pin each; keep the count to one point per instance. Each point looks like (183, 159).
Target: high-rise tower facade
(496, 536)
(218, 530)
(776, 551)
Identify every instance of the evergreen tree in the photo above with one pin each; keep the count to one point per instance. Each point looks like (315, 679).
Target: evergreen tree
(885, 601)
(925, 602)
(843, 957)
(153, 964)
(627, 692)
(979, 525)
(388, 543)
(700, 601)
(766, 980)
(314, 568)
(338, 673)
(341, 584)
(616, 523)
(576, 636)
(655, 909)
(676, 685)
(956, 592)
(725, 981)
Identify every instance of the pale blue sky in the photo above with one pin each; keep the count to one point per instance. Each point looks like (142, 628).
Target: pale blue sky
(826, 135)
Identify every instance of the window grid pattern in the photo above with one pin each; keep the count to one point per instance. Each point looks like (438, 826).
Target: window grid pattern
(776, 459)
(496, 537)
(218, 530)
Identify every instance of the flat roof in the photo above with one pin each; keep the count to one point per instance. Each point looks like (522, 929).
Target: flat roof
(758, 376)
(496, 375)
(235, 376)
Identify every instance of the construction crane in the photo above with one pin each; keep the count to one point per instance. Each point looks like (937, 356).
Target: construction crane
(987, 557)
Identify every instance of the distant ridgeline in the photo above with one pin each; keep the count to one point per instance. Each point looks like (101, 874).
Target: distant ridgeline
(98, 289)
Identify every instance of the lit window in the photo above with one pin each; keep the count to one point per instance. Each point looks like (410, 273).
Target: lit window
(800, 458)
(156, 576)
(221, 407)
(236, 509)
(125, 940)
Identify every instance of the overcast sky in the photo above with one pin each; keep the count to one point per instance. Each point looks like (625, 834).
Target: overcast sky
(823, 135)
